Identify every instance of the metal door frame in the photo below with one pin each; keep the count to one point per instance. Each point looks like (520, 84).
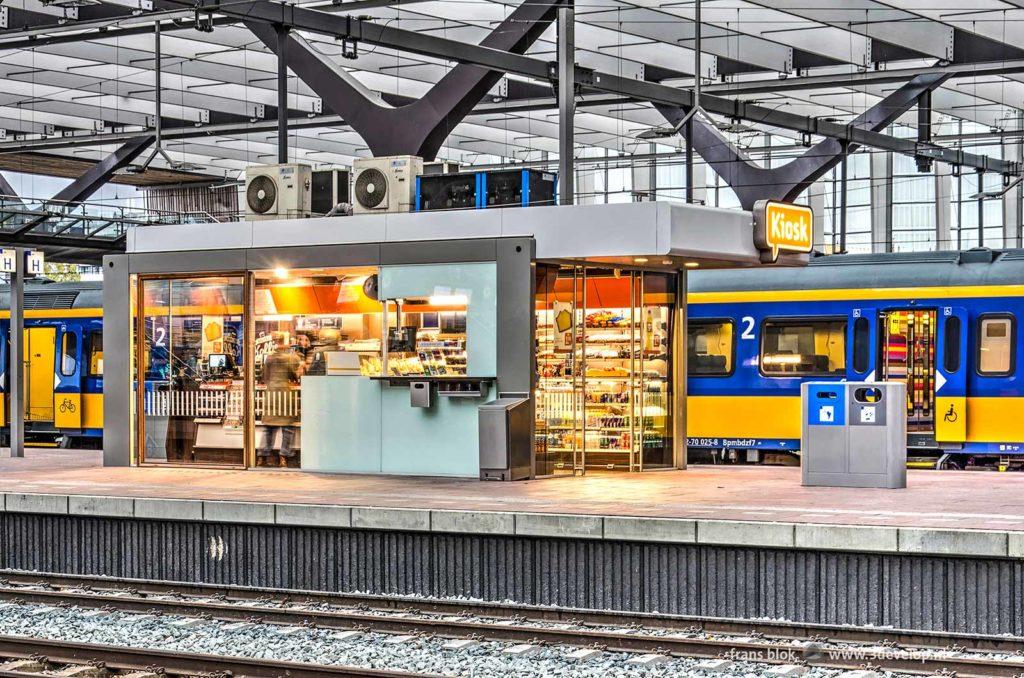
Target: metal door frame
(140, 370)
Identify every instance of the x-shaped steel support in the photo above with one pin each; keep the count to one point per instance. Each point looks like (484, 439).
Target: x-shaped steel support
(418, 128)
(752, 183)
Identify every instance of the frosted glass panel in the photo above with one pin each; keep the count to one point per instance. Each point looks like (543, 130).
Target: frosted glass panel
(477, 282)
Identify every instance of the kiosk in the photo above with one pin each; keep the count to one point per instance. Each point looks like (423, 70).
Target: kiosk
(379, 343)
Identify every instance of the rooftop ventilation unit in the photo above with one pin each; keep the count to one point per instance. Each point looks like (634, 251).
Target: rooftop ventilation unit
(277, 191)
(385, 184)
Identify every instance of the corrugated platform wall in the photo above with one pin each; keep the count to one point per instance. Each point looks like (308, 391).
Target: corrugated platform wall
(913, 592)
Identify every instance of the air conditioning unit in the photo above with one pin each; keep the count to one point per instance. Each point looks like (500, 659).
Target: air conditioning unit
(330, 188)
(440, 167)
(278, 191)
(385, 184)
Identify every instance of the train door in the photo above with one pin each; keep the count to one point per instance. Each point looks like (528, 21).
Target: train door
(908, 354)
(40, 362)
(862, 349)
(68, 392)
(951, 376)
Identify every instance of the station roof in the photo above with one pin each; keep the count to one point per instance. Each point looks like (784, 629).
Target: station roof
(77, 75)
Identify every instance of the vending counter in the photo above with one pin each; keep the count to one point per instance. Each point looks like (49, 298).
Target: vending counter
(356, 424)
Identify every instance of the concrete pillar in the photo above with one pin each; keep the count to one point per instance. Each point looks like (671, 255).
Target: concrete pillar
(881, 202)
(566, 102)
(117, 362)
(943, 207)
(16, 367)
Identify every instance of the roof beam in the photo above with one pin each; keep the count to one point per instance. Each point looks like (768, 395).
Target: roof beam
(874, 20)
(857, 79)
(95, 177)
(502, 61)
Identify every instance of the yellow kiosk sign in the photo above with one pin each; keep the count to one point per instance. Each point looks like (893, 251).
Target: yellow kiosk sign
(782, 227)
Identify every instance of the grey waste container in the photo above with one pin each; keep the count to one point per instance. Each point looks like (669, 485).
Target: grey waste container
(854, 434)
(506, 445)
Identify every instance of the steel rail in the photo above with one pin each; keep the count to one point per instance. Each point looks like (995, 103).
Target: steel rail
(781, 629)
(884, 653)
(178, 663)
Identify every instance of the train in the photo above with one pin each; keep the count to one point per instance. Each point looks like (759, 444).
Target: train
(943, 322)
(946, 323)
(63, 358)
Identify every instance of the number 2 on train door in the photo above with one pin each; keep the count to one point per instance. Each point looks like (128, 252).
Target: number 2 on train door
(748, 327)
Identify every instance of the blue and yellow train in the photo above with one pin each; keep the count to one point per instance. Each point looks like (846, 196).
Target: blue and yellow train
(946, 323)
(63, 362)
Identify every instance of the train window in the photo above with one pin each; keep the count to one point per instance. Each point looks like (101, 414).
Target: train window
(951, 353)
(96, 354)
(995, 344)
(68, 353)
(710, 347)
(803, 347)
(861, 345)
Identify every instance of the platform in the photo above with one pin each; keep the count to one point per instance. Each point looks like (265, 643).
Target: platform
(737, 542)
(942, 513)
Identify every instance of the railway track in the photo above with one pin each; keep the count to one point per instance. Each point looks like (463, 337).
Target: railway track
(55, 655)
(911, 652)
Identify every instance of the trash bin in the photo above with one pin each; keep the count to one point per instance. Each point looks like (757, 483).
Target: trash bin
(506, 445)
(854, 434)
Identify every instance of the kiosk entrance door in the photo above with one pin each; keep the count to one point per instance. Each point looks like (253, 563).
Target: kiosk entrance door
(604, 394)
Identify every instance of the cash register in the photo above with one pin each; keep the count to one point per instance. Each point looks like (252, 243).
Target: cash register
(219, 365)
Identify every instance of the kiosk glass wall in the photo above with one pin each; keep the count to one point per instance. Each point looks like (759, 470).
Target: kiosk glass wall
(192, 403)
(604, 393)
(306, 323)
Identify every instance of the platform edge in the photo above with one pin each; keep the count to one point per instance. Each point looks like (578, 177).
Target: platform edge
(954, 542)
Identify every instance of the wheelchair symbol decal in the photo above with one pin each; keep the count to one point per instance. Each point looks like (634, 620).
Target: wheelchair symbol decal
(951, 415)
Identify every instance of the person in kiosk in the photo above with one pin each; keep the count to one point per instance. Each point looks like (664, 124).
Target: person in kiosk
(281, 372)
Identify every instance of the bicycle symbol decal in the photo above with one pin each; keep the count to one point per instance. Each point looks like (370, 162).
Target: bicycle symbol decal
(67, 406)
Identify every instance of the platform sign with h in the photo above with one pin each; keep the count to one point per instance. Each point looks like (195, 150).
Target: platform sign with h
(35, 262)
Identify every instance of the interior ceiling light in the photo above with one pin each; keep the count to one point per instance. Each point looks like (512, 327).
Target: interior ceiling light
(640, 260)
(691, 264)
(448, 300)
(666, 262)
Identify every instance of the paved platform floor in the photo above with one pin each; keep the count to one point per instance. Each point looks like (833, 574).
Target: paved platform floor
(933, 499)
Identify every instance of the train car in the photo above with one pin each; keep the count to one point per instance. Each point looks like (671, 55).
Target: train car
(946, 323)
(63, 363)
